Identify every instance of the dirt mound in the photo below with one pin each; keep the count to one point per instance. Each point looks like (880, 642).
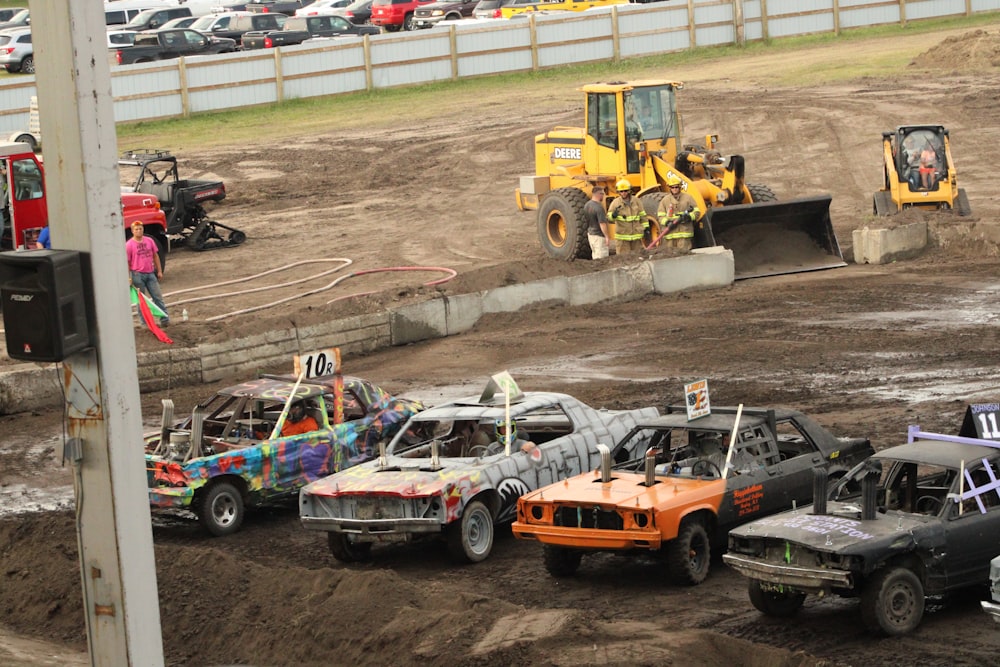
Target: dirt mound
(973, 50)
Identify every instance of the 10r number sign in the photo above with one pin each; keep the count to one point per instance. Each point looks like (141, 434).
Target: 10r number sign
(319, 363)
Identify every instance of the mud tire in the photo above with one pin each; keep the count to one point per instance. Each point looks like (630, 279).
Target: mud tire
(761, 193)
(346, 550)
(689, 554)
(470, 539)
(560, 561)
(892, 602)
(778, 605)
(221, 509)
(562, 229)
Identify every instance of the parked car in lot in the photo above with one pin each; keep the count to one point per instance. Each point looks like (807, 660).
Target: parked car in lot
(321, 7)
(715, 482)
(21, 19)
(443, 10)
(286, 7)
(169, 44)
(216, 25)
(441, 477)
(7, 13)
(298, 29)
(395, 15)
(120, 38)
(245, 22)
(153, 19)
(230, 454)
(180, 22)
(915, 520)
(490, 9)
(358, 12)
(16, 52)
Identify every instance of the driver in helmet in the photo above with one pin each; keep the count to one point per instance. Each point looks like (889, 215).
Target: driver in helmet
(298, 421)
(503, 434)
(629, 218)
(677, 214)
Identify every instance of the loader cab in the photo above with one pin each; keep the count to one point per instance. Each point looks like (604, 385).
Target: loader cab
(911, 142)
(620, 116)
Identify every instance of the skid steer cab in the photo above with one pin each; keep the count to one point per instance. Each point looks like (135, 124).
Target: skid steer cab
(25, 205)
(632, 131)
(918, 172)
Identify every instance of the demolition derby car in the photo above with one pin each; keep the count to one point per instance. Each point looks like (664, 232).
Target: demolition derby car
(446, 474)
(230, 453)
(677, 485)
(915, 520)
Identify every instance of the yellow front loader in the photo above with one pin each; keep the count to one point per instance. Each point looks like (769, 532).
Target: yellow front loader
(632, 131)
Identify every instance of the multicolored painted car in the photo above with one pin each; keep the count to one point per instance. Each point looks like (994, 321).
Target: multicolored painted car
(230, 454)
(448, 475)
(677, 486)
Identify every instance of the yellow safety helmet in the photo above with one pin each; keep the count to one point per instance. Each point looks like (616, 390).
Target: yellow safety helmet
(673, 180)
(623, 185)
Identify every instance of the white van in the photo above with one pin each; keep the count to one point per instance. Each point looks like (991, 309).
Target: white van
(120, 12)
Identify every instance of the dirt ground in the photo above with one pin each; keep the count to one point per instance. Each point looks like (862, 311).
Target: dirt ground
(866, 350)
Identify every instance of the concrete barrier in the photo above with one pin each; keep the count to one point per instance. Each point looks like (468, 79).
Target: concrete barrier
(33, 386)
(882, 246)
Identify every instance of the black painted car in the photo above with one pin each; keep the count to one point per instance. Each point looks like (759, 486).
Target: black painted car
(916, 520)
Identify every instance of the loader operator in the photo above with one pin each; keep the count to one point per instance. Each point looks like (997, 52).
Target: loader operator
(677, 214)
(629, 217)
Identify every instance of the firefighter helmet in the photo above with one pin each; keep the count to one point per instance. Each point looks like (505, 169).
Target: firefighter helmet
(673, 180)
(623, 185)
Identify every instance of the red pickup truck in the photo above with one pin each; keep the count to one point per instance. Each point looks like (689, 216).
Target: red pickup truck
(395, 14)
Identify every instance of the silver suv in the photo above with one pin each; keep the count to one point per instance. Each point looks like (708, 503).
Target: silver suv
(16, 54)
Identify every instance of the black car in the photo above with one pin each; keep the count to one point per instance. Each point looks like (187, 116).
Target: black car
(916, 520)
(358, 12)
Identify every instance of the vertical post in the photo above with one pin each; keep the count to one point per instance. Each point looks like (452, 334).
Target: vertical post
(182, 79)
(616, 46)
(764, 34)
(368, 62)
(534, 43)
(104, 419)
(836, 17)
(692, 28)
(738, 27)
(279, 78)
(902, 13)
(968, 7)
(453, 48)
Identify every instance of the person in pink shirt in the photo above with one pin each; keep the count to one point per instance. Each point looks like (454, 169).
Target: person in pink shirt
(144, 268)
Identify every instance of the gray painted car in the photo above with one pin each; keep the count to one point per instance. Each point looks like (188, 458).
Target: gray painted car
(439, 478)
(16, 52)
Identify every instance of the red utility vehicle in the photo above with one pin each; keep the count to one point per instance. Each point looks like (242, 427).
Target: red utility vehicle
(25, 212)
(395, 14)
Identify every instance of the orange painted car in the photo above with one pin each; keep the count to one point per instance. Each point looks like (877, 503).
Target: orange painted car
(675, 486)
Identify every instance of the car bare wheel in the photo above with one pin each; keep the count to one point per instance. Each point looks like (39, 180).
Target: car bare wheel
(561, 562)
(562, 229)
(221, 509)
(689, 554)
(470, 539)
(28, 65)
(408, 22)
(780, 605)
(347, 550)
(892, 602)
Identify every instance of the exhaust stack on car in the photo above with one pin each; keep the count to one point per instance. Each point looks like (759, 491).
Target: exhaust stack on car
(651, 466)
(819, 491)
(605, 462)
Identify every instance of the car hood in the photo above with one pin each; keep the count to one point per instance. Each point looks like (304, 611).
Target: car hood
(629, 490)
(841, 530)
(401, 477)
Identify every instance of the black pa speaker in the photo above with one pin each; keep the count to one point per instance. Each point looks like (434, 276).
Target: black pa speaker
(44, 309)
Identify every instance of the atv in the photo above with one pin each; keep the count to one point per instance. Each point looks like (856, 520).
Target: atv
(181, 201)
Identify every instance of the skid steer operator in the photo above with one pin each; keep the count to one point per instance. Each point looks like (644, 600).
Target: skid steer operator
(677, 214)
(631, 225)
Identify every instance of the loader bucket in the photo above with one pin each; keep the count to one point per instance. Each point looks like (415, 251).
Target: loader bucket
(775, 237)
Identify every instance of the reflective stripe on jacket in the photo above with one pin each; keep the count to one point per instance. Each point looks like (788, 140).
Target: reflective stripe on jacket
(629, 218)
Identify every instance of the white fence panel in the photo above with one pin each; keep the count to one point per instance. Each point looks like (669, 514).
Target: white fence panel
(934, 8)
(985, 6)
(575, 39)
(647, 31)
(799, 17)
(493, 49)
(858, 13)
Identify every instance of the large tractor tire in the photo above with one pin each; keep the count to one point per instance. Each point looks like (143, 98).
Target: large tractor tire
(562, 228)
(761, 193)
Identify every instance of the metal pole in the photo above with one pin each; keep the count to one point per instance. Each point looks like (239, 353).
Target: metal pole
(102, 387)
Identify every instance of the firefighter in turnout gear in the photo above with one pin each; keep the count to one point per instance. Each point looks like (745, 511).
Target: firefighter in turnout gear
(629, 218)
(677, 214)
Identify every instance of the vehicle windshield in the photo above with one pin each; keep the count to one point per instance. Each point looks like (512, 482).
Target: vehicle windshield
(654, 109)
(205, 22)
(141, 18)
(20, 16)
(455, 437)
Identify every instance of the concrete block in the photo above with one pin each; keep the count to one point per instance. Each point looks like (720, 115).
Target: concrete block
(462, 311)
(619, 284)
(29, 387)
(417, 322)
(511, 298)
(704, 268)
(881, 246)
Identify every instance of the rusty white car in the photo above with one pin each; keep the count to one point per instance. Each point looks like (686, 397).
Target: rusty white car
(441, 476)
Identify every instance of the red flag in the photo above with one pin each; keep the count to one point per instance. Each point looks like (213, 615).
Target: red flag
(149, 319)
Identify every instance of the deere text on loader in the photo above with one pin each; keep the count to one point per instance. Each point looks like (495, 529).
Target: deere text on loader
(903, 151)
(632, 131)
